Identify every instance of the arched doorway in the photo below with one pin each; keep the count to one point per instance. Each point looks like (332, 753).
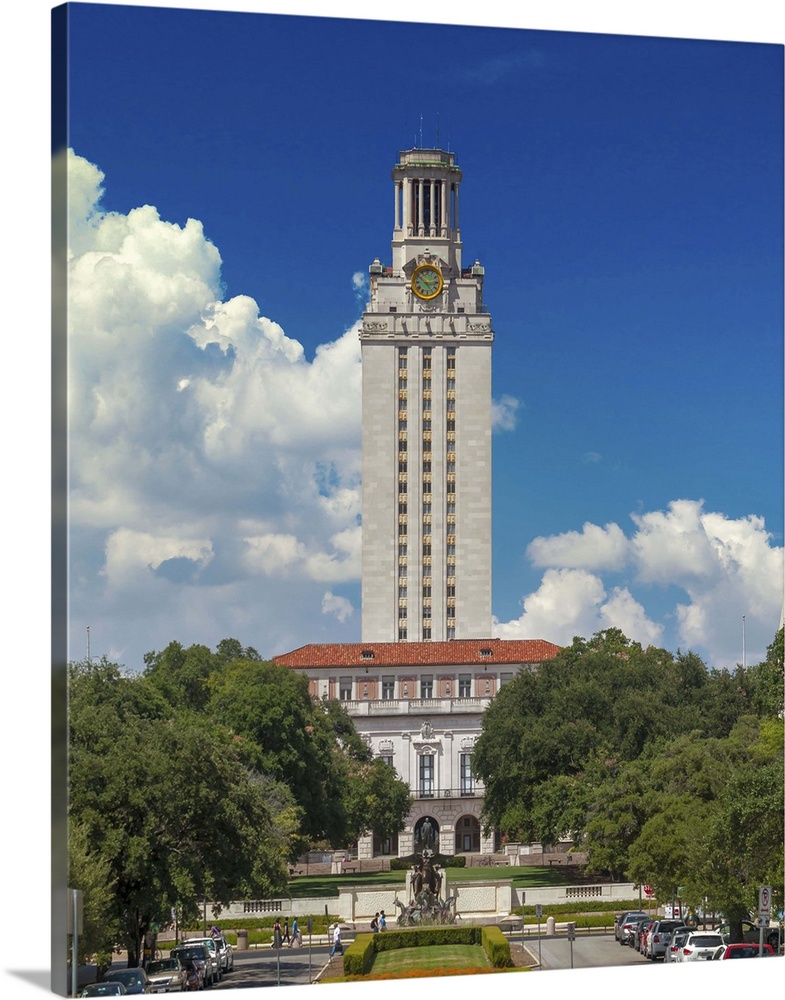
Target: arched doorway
(426, 834)
(467, 835)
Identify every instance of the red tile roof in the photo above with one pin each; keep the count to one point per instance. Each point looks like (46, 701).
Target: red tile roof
(451, 652)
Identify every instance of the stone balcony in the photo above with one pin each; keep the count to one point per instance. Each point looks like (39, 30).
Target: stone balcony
(416, 706)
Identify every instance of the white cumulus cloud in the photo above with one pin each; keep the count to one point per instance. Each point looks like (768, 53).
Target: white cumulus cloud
(701, 570)
(207, 455)
(340, 607)
(593, 548)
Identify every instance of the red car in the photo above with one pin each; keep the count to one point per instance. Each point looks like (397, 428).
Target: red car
(742, 950)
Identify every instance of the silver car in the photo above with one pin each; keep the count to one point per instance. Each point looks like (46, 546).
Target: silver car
(167, 975)
(659, 938)
(215, 956)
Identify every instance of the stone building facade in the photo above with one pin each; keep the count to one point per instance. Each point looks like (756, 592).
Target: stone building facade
(419, 706)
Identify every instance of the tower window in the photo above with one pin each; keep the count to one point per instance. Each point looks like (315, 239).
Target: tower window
(427, 775)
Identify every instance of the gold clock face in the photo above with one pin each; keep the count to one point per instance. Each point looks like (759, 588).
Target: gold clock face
(427, 281)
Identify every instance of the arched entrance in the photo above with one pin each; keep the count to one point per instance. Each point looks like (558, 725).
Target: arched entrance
(467, 835)
(426, 834)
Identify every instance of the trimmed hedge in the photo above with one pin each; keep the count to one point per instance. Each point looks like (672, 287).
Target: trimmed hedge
(358, 957)
(443, 860)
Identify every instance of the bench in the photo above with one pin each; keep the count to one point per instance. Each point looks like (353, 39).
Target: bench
(294, 872)
(349, 868)
(554, 861)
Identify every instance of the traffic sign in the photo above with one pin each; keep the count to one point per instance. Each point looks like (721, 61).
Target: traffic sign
(649, 890)
(538, 910)
(764, 902)
(570, 932)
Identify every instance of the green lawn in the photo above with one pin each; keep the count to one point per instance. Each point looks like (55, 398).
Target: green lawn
(525, 876)
(457, 957)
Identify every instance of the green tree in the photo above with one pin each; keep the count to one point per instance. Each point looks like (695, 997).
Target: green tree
(167, 803)
(767, 680)
(89, 872)
(376, 800)
(282, 733)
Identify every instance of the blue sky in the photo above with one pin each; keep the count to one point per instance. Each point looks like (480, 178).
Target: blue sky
(625, 196)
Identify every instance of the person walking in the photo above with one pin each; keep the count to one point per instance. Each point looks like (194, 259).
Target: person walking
(337, 946)
(375, 923)
(295, 935)
(382, 921)
(286, 937)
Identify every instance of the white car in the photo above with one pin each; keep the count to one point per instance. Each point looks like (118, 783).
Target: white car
(225, 952)
(700, 946)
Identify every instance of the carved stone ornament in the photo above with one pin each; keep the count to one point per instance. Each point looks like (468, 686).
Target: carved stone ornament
(467, 743)
(374, 325)
(386, 746)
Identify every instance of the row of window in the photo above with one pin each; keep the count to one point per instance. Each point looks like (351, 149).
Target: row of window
(427, 773)
(463, 689)
(450, 472)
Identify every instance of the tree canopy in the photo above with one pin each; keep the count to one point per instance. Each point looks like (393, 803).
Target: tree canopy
(201, 779)
(661, 769)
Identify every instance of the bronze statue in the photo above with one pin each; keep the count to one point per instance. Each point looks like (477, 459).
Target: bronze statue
(425, 875)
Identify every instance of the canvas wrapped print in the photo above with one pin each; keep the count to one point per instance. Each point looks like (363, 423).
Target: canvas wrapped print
(418, 578)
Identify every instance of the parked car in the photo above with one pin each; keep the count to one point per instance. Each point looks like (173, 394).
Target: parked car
(167, 975)
(634, 939)
(134, 980)
(699, 946)
(678, 937)
(225, 952)
(623, 928)
(751, 934)
(211, 945)
(645, 931)
(742, 951)
(659, 937)
(198, 956)
(103, 990)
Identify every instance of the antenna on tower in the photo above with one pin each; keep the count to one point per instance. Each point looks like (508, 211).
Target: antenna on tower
(437, 131)
(744, 641)
(421, 146)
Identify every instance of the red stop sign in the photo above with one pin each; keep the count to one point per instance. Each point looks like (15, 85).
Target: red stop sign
(648, 890)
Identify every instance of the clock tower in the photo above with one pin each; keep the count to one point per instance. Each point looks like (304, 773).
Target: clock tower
(426, 421)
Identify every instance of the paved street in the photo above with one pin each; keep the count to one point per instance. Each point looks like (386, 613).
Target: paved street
(589, 951)
(261, 967)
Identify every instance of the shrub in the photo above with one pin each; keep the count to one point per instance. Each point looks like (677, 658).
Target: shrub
(358, 958)
(497, 947)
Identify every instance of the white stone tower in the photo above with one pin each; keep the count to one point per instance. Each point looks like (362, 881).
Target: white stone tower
(426, 421)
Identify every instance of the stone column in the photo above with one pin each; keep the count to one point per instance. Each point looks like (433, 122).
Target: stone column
(365, 847)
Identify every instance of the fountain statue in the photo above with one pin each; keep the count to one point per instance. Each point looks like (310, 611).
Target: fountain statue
(426, 907)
